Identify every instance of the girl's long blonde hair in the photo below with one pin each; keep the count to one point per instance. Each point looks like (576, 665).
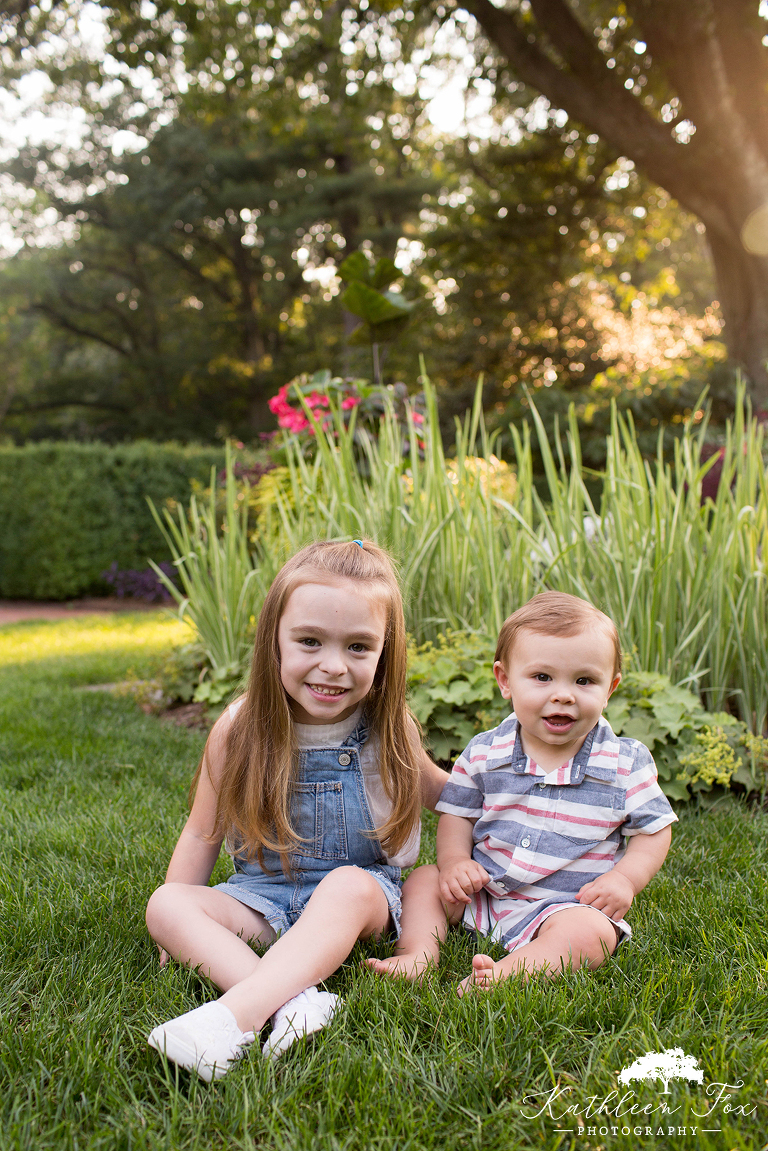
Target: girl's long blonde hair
(261, 762)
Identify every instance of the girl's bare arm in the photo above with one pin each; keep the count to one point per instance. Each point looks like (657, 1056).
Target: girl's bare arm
(198, 847)
(433, 780)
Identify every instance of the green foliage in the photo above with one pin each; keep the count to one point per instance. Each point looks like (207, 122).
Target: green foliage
(684, 578)
(453, 691)
(695, 750)
(68, 510)
(368, 295)
(182, 304)
(185, 675)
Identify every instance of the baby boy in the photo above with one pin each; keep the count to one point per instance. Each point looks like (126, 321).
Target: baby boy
(530, 844)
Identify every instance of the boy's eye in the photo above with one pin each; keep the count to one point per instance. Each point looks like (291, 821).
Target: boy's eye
(542, 677)
(583, 680)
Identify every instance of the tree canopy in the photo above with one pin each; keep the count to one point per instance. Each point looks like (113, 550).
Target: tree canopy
(234, 155)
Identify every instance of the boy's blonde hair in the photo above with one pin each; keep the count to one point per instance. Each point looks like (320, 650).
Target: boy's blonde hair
(254, 799)
(556, 613)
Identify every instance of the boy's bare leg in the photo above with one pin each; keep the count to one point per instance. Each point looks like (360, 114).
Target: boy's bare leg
(424, 925)
(567, 938)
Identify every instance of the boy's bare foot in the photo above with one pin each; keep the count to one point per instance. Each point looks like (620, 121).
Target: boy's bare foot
(484, 974)
(401, 966)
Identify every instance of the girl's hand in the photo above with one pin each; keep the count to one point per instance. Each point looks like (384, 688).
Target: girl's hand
(460, 879)
(611, 893)
(163, 956)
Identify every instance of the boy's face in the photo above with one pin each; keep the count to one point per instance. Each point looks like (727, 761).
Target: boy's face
(558, 686)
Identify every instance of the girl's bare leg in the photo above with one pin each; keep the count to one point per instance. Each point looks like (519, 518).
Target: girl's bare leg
(346, 906)
(206, 929)
(569, 937)
(424, 925)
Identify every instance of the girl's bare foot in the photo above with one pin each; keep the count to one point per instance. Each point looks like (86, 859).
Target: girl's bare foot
(401, 966)
(484, 974)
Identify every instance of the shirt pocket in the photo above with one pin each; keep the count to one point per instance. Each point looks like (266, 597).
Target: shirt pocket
(317, 816)
(585, 825)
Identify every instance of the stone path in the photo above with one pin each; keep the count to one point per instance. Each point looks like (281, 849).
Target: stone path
(16, 610)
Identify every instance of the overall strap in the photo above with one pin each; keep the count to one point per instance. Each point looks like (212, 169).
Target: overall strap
(359, 736)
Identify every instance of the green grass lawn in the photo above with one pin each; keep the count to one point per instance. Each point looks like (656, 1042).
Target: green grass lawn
(93, 795)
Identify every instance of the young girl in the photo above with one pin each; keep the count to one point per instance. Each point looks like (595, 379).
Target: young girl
(315, 778)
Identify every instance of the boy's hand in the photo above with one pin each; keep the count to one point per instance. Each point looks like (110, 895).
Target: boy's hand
(611, 893)
(460, 879)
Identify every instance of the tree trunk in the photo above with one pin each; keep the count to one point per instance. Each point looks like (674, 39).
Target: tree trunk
(742, 287)
(710, 53)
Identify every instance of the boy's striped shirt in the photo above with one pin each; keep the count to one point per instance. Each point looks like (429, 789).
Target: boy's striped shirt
(543, 835)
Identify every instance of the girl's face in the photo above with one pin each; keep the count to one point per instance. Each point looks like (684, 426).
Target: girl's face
(330, 638)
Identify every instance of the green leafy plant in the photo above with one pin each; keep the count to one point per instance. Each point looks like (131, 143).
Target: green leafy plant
(307, 403)
(453, 691)
(369, 296)
(695, 750)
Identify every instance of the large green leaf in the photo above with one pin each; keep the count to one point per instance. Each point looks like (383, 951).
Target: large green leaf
(385, 273)
(372, 306)
(458, 692)
(355, 268)
(384, 333)
(641, 726)
(671, 715)
(399, 300)
(616, 713)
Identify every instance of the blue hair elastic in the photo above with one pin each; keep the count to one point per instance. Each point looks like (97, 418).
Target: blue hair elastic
(358, 542)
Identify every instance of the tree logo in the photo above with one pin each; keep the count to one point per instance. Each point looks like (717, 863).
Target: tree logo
(664, 1065)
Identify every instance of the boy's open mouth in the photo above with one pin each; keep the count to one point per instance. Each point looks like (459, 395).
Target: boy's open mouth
(320, 689)
(558, 722)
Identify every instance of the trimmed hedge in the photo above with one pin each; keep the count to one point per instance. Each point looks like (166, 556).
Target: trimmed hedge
(69, 510)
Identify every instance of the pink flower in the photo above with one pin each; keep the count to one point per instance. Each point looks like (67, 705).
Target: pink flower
(417, 417)
(279, 403)
(293, 421)
(318, 401)
(349, 402)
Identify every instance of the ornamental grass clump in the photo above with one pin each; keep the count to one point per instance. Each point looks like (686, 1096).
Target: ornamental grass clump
(682, 575)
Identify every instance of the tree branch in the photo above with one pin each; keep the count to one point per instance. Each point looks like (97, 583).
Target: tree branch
(600, 102)
(586, 89)
(76, 330)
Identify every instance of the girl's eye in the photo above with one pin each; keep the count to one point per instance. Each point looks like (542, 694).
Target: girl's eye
(583, 680)
(542, 677)
(358, 648)
(310, 641)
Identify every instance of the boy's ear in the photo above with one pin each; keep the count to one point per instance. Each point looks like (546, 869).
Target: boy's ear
(614, 685)
(502, 679)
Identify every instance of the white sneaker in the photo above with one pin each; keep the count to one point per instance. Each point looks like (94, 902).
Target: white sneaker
(307, 1012)
(206, 1040)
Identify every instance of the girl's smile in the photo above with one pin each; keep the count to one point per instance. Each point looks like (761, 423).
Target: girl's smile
(330, 637)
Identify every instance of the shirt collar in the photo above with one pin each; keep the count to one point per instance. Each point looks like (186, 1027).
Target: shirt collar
(589, 760)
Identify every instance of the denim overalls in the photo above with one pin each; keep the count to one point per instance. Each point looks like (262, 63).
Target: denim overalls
(329, 810)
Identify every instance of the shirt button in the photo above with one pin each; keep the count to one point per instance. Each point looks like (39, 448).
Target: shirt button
(345, 759)
(525, 842)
